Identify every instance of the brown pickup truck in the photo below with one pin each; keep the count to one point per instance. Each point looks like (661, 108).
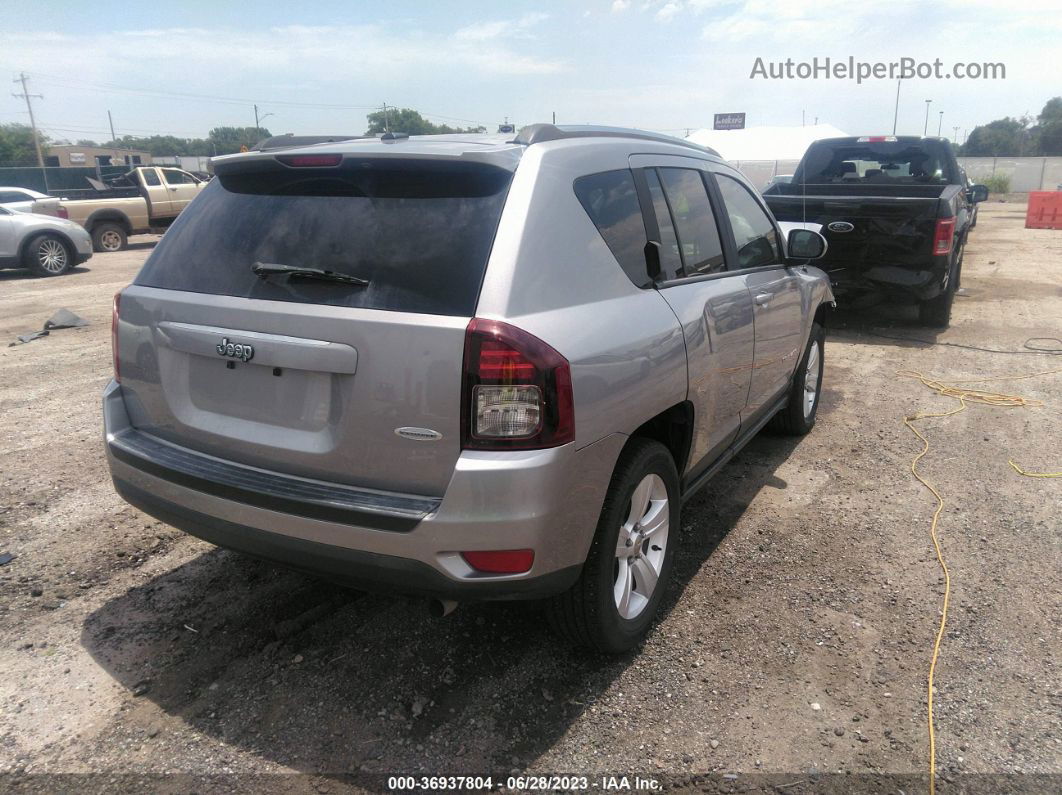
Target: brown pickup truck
(146, 199)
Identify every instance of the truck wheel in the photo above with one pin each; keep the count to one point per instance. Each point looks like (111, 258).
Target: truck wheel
(108, 237)
(936, 312)
(797, 418)
(48, 255)
(629, 564)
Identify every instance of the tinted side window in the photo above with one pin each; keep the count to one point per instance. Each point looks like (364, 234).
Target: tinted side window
(754, 234)
(11, 196)
(670, 259)
(611, 201)
(151, 177)
(702, 250)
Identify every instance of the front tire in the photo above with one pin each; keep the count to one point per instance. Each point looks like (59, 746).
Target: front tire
(797, 418)
(627, 570)
(108, 237)
(48, 255)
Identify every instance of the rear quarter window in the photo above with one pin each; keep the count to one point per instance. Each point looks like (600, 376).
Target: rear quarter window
(611, 200)
(419, 231)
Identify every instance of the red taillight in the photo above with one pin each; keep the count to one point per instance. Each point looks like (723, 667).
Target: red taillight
(501, 561)
(943, 235)
(304, 161)
(62, 212)
(114, 334)
(516, 390)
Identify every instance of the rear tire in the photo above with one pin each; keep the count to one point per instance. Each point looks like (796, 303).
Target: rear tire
(628, 567)
(48, 255)
(797, 418)
(936, 312)
(108, 237)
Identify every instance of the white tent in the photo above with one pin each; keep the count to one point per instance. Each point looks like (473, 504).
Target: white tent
(764, 143)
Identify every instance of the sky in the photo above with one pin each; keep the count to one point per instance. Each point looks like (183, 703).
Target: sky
(320, 66)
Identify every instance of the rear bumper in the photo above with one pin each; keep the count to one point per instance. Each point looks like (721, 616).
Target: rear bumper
(920, 282)
(545, 500)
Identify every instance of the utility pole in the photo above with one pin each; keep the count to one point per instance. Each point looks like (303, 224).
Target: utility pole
(955, 134)
(940, 121)
(29, 106)
(801, 117)
(554, 117)
(114, 138)
(896, 112)
(387, 119)
(925, 129)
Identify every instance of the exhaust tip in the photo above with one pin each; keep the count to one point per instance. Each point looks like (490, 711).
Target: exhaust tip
(438, 608)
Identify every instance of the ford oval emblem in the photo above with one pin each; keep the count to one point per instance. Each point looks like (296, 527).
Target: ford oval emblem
(840, 227)
(418, 434)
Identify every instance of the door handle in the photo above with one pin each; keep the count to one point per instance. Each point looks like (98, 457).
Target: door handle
(173, 189)
(762, 299)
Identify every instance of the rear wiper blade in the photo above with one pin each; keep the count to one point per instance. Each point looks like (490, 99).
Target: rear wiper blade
(263, 269)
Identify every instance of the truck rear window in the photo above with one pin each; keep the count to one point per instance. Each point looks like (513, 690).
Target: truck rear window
(881, 163)
(419, 231)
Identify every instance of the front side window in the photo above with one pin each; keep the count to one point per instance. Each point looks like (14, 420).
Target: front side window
(754, 235)
(702, 250)
(611, 200)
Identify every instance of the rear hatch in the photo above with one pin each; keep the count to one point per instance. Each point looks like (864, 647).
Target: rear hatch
(307, 376)
(865, 226)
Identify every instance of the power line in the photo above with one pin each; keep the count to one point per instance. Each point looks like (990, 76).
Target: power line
(65, 82)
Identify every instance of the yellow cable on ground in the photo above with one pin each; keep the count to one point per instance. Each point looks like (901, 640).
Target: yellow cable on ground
(953, 389)
(1021, 471)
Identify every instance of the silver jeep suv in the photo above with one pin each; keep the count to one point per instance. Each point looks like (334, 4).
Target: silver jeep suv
(465, 367)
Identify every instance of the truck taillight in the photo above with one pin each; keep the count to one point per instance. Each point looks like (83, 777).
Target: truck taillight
(516, 390)
(944, 234)
(114, 334)
(62, 212)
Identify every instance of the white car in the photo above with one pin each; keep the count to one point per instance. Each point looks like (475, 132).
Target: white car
(24, 200)
(46, 245)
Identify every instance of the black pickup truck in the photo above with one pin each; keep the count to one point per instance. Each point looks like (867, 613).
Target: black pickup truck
(895, 210)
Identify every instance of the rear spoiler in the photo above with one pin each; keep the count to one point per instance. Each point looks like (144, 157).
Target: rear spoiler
(289, 141)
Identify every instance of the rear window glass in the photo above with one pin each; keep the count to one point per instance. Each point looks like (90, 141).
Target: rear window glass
(882, 163)
(611, 200)
(419, 231)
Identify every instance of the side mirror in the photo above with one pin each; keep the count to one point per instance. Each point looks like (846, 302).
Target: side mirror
(805, 244)
(978, 193)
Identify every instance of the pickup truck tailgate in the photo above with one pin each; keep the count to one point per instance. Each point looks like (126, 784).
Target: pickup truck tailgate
(865, 231)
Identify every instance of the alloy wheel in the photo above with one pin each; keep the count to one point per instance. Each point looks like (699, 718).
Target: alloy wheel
(811, 379)
(641, 547)
(52, 255)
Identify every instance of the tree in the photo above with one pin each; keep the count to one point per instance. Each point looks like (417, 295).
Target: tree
(86, 142)
(16, 145)
(1004, 136)
(231, 139)
(1051, 127)
(409, 121)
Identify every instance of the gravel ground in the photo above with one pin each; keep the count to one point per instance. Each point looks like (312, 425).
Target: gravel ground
(795, 643)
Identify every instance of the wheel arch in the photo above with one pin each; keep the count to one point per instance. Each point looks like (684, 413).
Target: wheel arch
(673, 428)
(109, 216)
(29, 238)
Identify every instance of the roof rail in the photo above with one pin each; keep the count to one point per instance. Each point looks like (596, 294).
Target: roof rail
(288, 141)
(540, 133)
